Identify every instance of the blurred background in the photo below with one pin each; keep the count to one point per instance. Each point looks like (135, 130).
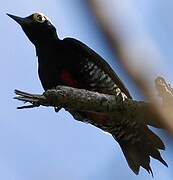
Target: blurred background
(41, 144)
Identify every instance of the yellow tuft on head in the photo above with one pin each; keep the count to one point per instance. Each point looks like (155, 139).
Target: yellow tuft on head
(39, 17)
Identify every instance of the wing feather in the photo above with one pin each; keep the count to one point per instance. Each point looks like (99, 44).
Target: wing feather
(87, 52)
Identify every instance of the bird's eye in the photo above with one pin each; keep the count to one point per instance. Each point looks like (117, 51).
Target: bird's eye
(39, 18)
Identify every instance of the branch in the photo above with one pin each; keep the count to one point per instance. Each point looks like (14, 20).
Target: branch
(165, 91)
(132, 46)
(136, 51)
(84, 100)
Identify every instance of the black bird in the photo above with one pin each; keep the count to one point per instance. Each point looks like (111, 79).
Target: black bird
(72, 63)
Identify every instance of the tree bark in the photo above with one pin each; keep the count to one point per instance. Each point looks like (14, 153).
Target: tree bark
(116, 106)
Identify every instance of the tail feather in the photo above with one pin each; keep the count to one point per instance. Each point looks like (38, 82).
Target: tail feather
(136, 156)
(156, 155)
(138, 152)
(136, 140)
(156, 144)
(156, 141)
(132, 159)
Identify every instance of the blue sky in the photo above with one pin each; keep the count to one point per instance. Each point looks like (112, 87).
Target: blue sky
(40, 144)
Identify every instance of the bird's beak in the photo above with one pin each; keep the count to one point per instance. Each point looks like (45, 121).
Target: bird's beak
(19, 20)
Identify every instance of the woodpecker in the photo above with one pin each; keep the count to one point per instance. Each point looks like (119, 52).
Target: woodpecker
(72, 63)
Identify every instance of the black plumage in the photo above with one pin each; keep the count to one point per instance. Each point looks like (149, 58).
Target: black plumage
(72, 63)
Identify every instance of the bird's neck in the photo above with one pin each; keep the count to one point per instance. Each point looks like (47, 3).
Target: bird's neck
(45, 39)
(47, 44)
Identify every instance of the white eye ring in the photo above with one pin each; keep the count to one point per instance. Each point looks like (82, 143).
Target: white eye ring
(38, 17)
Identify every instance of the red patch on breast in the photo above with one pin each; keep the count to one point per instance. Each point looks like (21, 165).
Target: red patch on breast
(67, 78)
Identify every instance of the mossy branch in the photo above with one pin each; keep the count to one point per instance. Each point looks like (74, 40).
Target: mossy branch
(112, 105)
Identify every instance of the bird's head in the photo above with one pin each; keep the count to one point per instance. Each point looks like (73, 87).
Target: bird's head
(37, 27)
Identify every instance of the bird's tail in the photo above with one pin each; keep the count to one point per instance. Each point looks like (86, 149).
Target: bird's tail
(136, 140)
(138, 145)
